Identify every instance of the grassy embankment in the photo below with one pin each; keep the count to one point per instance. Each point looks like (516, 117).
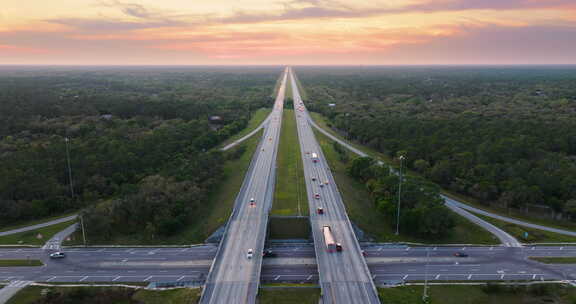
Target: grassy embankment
(290, 191)
(491, 294)
(30, 237)
(362, 211)
(20, 263)
(289, 295)
(89, 295)
(534, 235)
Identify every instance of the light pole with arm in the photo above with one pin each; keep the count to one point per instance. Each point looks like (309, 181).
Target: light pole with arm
(399, 197)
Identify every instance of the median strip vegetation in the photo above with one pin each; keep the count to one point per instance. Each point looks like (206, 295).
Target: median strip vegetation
(278, 295)
(290, 191)
(20, 263)
(555, 260)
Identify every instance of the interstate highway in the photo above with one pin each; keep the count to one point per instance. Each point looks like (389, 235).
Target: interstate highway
(234, 278)
(344, 276)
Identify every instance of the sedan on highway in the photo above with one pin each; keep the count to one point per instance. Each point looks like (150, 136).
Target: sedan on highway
(57, 255)
(461, 254)
(317, 196)
(250, 253)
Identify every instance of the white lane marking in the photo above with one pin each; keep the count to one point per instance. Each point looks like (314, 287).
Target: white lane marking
(276, 278)
(116, 278)
(437, 276)
(309, 277)
(435, 248)
(180, 278)
(502, 277)
(533, 277)
(407, 248)
(469, 276)
(50, 279)
(82, 279)
(491, 248)
(405, 276)
(148, 278)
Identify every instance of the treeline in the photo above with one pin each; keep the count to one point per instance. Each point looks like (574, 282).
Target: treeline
(504, 136)
(422, 212)
(141, 140)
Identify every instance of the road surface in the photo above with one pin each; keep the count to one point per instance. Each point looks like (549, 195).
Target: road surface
(344, 276)
(233, 277)
(33, 227)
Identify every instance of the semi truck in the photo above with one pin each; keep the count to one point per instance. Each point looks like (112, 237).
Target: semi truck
(331, 244)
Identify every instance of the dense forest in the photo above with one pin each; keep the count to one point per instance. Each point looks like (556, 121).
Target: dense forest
(503, 135)
(141, 141)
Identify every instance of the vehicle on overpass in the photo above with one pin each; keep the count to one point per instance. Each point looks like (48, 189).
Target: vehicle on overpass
(250, 253)
(314, 157)
(57, 255)
(331, 244)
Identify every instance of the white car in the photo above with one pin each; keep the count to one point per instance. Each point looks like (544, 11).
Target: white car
(250, 253)
(57, 255)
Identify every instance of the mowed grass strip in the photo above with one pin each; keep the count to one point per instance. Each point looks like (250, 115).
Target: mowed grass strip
(362, 210)
(289, 295)
(31, 237)
(533, 235)
(19, 263)
(479, 294)
(290, 191)
(555, 260)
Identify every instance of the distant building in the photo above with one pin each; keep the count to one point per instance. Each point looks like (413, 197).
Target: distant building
(215, 118)
(106, 116)
(331, 104)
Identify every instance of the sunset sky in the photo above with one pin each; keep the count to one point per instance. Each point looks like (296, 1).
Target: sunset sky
(288, 32)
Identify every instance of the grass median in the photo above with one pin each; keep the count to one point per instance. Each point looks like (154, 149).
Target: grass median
(289, 295)
(290, 191)
(20, 263)
(34, 237)
(555, 260)
(362, 211)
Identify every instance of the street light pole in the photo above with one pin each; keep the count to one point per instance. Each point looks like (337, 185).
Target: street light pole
(399, 197)
(69, 167)
(425, 294)
(83, 231)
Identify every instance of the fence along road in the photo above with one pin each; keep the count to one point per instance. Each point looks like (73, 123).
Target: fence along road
(344, 276)
(233, 277)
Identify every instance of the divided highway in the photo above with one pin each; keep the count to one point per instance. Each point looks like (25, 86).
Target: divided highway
(344, 276)
(234, 276)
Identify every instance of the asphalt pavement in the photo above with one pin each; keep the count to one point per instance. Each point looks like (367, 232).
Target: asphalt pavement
(344, 276)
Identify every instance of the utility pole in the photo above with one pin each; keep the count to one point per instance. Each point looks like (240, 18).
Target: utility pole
(83, 231)
(69, 167)
(399, 197)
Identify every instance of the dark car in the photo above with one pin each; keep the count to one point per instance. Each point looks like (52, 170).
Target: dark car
(461, 254)
(268, 254)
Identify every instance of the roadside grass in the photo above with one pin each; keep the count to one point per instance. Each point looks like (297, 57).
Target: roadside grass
(257, 118)
(172, 296)
(362, 210)
(288, 296)
(321, 121)
(478, 294)
(117, 295)
(290, 191)
(534, 235)
(35, 222)
(20, 263)
(555, 260)
(285, 227)
(213, 214)
(30, 237)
